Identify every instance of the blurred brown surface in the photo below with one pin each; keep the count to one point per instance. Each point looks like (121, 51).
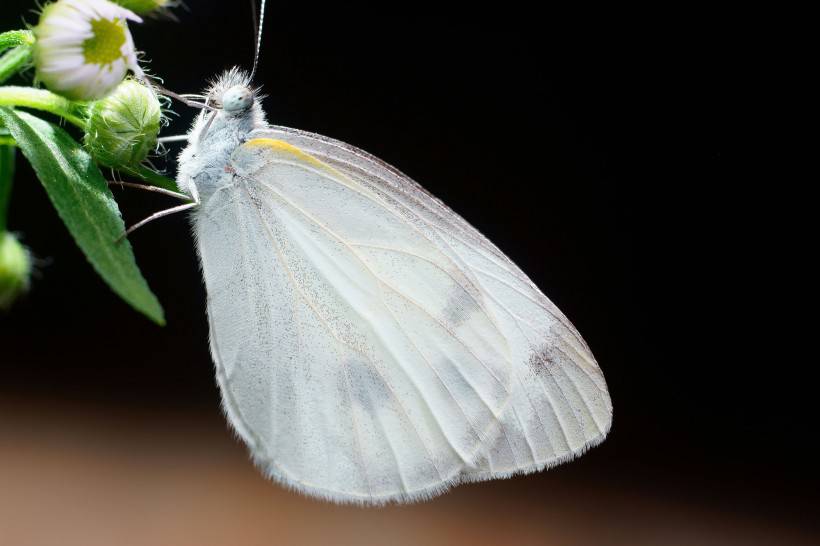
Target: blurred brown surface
(83, 475)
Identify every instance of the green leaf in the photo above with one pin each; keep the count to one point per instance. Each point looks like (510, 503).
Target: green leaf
(82, 199)
(6, 177)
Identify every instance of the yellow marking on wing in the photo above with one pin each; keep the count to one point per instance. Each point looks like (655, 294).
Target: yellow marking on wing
(285, 148)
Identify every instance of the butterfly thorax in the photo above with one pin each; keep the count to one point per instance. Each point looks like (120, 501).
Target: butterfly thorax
(204, 165)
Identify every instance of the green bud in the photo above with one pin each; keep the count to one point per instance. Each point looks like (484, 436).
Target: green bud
(15, 269)
(145, 7)
(121, 129)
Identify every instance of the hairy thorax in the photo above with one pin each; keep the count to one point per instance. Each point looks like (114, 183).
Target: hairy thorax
(204, 165)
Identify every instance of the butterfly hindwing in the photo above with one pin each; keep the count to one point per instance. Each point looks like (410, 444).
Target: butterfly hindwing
(354, 357)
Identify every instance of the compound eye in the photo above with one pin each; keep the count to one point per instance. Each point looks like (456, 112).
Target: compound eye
(237, 99)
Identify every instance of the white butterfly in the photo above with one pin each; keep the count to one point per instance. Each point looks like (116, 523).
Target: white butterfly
(370, 345)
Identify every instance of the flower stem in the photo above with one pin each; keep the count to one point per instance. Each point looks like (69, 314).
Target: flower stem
(14, 38)
(12, 61)
(40, 99)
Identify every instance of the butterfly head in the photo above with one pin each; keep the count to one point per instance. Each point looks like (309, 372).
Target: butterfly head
(237, 99)
(233, 109)
(232, 93)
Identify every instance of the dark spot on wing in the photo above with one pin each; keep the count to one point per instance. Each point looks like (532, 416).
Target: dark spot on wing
(541, 360)
(460, 305)
(367, 388)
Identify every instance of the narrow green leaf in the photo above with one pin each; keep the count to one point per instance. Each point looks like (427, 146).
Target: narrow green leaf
(82, 199)
(153, 178)
(6, 176)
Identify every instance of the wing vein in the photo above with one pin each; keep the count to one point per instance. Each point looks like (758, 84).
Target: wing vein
(379, 279)
(361, 154)
(533, 350)
(324, 323)
(517, 318)
(381, 282)
(443, 270)
(578, 391)
(377, 200)
(560, 319)
(356, 431)
(443, 384)
(547, 394)
(561, 425)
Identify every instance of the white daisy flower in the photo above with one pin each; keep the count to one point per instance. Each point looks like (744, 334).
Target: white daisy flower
(83, 48)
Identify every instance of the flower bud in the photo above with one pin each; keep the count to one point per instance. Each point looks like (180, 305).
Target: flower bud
(15, 269)
(146, 7)
(83, 48)
(121, 129)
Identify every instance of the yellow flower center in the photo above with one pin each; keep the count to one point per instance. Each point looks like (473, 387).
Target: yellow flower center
(105, 46)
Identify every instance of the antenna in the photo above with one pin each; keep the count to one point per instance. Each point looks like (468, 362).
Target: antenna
(254, 22)
(258, 34)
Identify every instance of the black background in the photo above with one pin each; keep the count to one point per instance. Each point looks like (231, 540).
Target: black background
(606, 161)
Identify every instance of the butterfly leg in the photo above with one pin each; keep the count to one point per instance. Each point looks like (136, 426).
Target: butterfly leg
(157, 216)
(183, 98)
(174, 138)
(146, 187)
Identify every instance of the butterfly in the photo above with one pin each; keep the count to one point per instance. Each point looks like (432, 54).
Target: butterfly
(370, 345)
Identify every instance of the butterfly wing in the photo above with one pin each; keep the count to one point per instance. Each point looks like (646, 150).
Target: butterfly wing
(559, 404)
(370, 345)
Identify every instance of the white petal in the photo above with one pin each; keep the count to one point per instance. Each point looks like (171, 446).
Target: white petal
(65, 63)
(77, 76)
(68, 22)
(57, 42)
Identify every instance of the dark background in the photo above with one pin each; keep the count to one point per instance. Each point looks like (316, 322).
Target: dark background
(610, 163)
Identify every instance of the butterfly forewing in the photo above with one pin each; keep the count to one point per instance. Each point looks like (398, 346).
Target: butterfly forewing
(560, 405)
